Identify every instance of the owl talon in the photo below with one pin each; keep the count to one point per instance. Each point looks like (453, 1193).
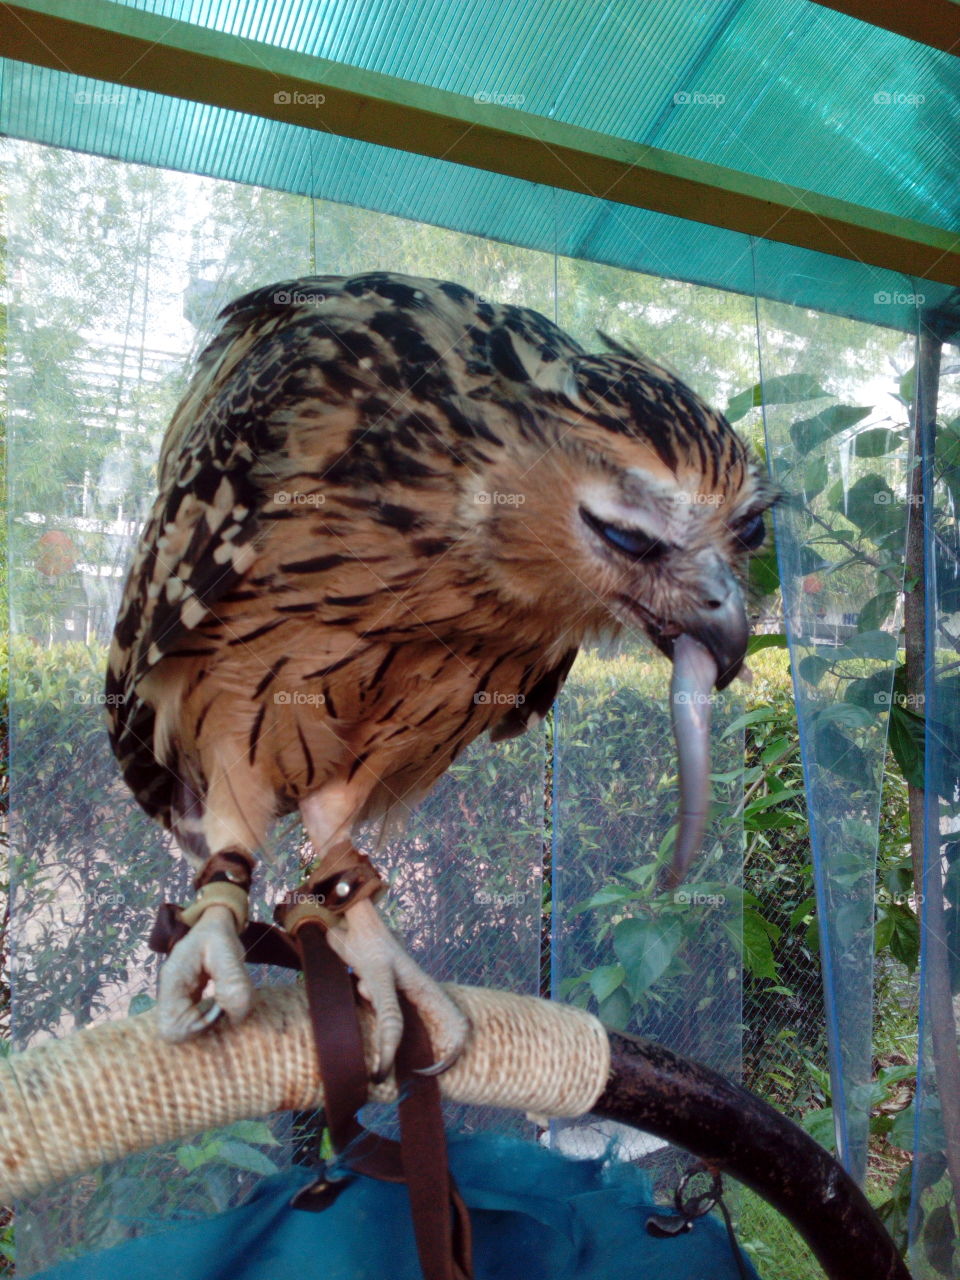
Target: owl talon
(438, 1068)
(382, 968)
(210, 953)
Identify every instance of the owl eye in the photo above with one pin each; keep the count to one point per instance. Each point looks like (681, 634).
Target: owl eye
(632, 542)
(751, 533)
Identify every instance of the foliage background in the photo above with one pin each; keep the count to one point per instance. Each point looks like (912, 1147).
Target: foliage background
(114, 289)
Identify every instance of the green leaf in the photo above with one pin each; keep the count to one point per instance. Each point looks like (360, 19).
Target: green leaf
(905, 943)
(240, 1155)
(819, 1125)
(813, 668)
(773, 821)
(872, 507)
(835, 752)
(883, 932)
(872, 693)
(815, 478)
(901, 1132)
(774, 640)
(876, 611)
(784, 388)
(757, 949)
(906, 743)
(775, 797)
(908, 385)
(615, 1011)
(777, 749)
(763, 573)
(605, 980)
(195, 1156)
(257, 1131)
(938, 1237)
(801, 911)
(758, 716)
(645, 948)
(876, 442)
(810, 433)
(870, 644)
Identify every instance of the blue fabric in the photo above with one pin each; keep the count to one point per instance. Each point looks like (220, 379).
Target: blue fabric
(536, 1215)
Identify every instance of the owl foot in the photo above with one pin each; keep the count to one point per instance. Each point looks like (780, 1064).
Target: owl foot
(210, 953)
(383, 968)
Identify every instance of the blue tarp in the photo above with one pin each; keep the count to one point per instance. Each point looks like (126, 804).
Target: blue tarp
(535, 1214)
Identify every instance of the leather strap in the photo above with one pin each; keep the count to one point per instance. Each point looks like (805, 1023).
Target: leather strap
(441, 1221)
(336, 1032)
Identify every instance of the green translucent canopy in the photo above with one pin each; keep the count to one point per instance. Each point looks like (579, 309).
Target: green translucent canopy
(778, 90)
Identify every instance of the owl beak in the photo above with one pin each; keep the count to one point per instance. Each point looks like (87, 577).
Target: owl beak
(709, 652)
(721, 626)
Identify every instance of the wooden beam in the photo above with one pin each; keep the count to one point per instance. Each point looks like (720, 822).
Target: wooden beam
(932, 22)
(128, 47)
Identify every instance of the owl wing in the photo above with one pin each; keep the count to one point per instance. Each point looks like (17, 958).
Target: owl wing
(536, 703)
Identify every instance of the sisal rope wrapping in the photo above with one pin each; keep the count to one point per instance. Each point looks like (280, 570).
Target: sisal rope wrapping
(110, 1090)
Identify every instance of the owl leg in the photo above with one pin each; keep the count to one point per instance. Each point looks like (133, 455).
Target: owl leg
(382, 968)
(210, 954)
(235, 818)
(363, 941)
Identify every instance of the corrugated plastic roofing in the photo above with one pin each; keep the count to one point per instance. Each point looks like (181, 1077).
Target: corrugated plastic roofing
(783, 89)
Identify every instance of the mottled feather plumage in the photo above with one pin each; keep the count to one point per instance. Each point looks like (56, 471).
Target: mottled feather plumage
(361, 555)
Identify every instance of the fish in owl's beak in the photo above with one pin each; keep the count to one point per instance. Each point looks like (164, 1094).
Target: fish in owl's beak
(708, 653)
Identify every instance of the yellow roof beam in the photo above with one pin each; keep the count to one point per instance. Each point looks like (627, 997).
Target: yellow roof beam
(932, 22)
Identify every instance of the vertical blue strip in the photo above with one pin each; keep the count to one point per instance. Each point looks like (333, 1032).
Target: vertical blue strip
(555, 745)
(931, 800)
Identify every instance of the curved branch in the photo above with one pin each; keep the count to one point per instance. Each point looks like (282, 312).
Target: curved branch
(112, 1089)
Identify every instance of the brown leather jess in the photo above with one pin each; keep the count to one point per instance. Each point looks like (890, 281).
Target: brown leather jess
(441, 1221)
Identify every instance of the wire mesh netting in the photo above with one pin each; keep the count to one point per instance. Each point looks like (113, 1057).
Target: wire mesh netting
(530, 867)
(935, 1199)
(669, 971)
(840, 537)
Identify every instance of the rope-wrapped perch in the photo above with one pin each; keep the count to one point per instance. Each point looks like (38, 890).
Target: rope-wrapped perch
(113, 1089)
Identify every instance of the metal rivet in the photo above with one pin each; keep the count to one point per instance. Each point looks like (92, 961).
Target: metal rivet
(342, 888)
